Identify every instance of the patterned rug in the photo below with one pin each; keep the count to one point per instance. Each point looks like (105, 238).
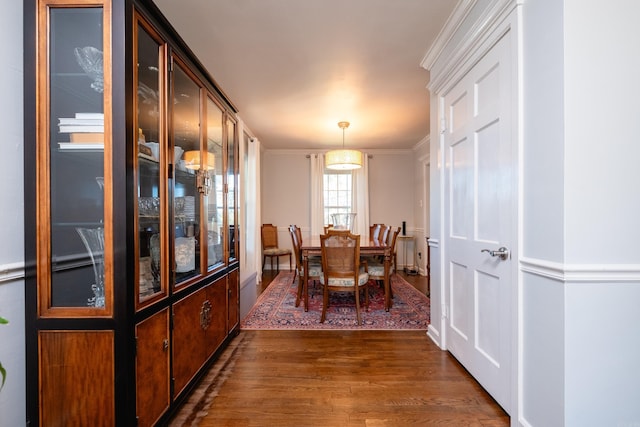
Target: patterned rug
(275, 308)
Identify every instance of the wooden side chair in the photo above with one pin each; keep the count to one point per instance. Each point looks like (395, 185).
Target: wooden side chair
(374, 231)
(341, 270)
(385, 233)
(376, 267)
(270, 247)
(315, 266)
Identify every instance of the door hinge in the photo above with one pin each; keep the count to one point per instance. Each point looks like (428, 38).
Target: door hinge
(445, 311)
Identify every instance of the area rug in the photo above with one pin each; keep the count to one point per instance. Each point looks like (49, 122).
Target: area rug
(275, 308)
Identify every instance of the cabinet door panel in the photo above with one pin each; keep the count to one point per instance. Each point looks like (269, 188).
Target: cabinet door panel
(186, 137)
(232, 181)
(188, 338)
(234, 301)
(152, 368)
(216, 332)
(74, 161)
(76, 378)
(215, 196)
(150, 161)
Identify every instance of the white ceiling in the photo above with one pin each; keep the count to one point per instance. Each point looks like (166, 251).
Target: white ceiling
(295, 68)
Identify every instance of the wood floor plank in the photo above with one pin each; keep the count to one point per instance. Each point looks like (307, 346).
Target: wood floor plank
(342, 378)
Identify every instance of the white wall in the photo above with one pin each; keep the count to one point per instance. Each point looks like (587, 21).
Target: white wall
(543, 239)
(12, 345)
(602, 203)
(286, 183)
(580, 191)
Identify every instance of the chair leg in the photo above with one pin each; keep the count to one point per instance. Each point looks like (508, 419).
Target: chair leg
(325, 303)
(366, 295)
(300, 286)
(289, 262)
(358, 315)
(264, 261)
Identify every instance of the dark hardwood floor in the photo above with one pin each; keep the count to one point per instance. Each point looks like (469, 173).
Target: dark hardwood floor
(338, 378)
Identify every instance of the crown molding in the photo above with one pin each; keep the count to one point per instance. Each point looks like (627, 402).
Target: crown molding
(445, 35)
(479, 38)
(424, 141)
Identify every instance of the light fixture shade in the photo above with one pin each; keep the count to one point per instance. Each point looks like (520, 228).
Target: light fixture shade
(343, 159)
(192, 160)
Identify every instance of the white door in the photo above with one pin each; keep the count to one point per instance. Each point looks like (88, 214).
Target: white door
(479, 215)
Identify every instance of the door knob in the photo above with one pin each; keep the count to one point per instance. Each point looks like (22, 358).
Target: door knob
(503, 253)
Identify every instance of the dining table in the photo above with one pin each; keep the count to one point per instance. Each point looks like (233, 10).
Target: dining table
(368, 248)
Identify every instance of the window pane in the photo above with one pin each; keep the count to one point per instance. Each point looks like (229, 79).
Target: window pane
(337, 194)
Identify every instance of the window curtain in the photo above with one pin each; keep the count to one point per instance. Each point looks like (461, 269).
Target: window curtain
(360, 197)
(254, 238)
(317, 194)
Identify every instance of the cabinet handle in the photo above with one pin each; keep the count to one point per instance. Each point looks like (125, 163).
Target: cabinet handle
(205, 315)
(165, 344)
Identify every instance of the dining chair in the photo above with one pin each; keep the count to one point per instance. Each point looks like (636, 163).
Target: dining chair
(341, 270)
(374, 231)
(384, 233)
(314, 266)
(327, 228)
(270, 246)
(376, 267)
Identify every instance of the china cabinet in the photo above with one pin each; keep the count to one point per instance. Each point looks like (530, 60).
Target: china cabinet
(131, 171)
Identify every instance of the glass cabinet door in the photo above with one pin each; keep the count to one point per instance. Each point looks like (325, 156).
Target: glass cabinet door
(74, 162)
(231, 189)
(150, 178)
(186, 224)
(215, 196)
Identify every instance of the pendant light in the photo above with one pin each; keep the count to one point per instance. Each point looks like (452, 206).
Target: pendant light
(343, 159)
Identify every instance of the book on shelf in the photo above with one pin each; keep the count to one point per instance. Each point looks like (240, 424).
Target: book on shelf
(78, 146)
(87, 137)
(90, 116)
(82, 123)
(143, 149)
(76, 121)
(81, 128)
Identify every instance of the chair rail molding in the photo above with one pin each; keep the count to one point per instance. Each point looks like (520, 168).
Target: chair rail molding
(11, 272)
(433, 243)
(581, 273)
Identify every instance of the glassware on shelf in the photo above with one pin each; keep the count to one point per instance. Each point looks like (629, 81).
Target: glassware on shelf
(185, 254)
(149, 206)
(93, 239)
(154, 251)
(91, 59)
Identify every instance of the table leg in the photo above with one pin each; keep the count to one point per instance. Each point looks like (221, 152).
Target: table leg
(305, 283)
(387, 283)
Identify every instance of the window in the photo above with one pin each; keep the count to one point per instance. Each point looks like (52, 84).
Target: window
(337, 193)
